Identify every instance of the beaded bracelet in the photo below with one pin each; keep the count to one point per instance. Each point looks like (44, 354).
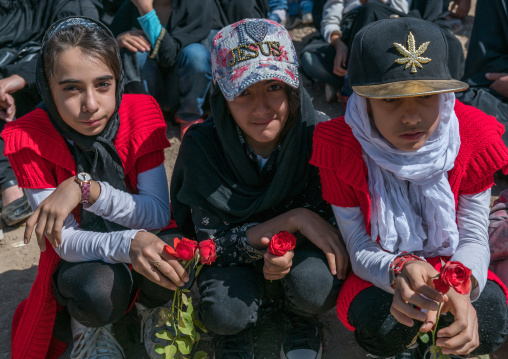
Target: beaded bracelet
(399, 262)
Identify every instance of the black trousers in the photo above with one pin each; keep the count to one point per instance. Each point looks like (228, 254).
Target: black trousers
(231, 297)
(98, 293)
(379, 333)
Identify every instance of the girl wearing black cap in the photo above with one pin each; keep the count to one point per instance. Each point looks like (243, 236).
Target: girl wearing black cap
(408, 171)
(243, 176)
(91, 159)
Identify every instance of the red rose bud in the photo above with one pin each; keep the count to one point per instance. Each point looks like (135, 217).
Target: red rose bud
(456, 275)
(186, 249)
(282, 243)
(207, 252)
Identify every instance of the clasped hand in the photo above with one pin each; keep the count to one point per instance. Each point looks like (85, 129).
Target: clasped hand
(413, 287)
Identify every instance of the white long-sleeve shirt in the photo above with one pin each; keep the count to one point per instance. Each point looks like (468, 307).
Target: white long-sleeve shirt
(147, 210)
(370, 262)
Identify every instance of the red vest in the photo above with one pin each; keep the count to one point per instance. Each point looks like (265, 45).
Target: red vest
(40, 158)
(344, 174)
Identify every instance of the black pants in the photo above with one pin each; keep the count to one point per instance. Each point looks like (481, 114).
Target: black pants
(98, 293)
(379, 333)
(232, 296)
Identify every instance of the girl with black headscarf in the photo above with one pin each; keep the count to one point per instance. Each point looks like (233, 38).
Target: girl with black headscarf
(91, 161)
(243, 176)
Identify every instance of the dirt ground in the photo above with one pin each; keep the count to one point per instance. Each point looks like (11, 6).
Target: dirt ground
(18, 262)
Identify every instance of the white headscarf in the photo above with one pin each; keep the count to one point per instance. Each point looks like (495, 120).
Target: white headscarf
(417, 215)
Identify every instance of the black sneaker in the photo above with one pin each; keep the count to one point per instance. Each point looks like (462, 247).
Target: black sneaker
(238, 346)
(302, 338)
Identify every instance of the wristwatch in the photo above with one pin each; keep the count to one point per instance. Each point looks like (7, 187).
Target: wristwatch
(85, 181)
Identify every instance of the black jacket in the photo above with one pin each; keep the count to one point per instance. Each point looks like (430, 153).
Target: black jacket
(22, 26)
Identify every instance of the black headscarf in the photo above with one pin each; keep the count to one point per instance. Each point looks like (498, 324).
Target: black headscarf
(96, 155)
(214, 172)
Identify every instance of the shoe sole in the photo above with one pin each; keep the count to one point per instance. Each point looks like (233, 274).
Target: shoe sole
(318, 356)
(17, 221)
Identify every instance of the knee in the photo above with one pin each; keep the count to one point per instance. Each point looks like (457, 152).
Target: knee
(376, 330)
(493, 305)
(227, 305)
(196, 58)
(306, 60)
(96, 294)
(226, 317)
(311, 289)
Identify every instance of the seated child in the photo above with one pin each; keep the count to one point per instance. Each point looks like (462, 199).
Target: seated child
(243, 176)
(91, 161)
(408, 171)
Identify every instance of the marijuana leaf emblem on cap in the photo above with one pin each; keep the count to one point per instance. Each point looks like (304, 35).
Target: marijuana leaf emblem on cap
(413, 57)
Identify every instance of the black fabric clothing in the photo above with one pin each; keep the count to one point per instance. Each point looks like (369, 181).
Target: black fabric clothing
(226, 12)
(324, 53)
(218, 190)
(232, 298)
(98, 293)
(379, 333)
(23, 23)
(488, 45)
(429, 10)
(96, 155)
(107, 9)
(190, 22)
(488, 52)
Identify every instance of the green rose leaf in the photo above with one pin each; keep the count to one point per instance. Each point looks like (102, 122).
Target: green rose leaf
(184, 345)
(164, 334)
(200, 355)
(185, 300)
(424, 337)
(434, 349)
(170, 351)
(159, 349)
(200, 325)
(197, 271)
(185, 324)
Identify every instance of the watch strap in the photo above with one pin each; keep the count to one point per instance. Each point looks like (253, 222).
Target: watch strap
(85, 191)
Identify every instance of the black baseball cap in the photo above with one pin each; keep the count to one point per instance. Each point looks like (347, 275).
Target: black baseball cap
(401, 57)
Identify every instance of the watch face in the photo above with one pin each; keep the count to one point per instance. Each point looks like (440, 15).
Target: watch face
(83, 176)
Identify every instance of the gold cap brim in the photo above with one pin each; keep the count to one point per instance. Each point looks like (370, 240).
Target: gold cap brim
(410, 88)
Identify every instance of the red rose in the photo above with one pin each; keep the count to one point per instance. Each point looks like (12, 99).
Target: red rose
(207, 251)
(441, 286)
(281, 243)
(169, 250)
(453, 274)
(186, 248)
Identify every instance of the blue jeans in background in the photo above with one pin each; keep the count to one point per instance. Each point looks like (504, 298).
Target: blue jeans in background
(294, 7)
(194, 71)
